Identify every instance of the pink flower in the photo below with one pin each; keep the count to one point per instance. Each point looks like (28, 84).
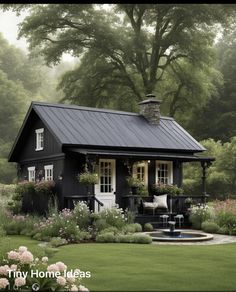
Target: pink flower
(4, 270)
(71, 280)
(53, 268)
(20, 282)
(61, 266)
(83, 289)
(44, 259)
(22, 249)
(13, 255)
(74, 288)
(26, 257)
(61, 281)
(3, 283)
(13, 267)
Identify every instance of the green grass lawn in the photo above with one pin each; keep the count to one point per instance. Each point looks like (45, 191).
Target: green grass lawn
(134, 267)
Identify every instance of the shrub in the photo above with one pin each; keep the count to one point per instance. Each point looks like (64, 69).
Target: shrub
(57, 241)
(100, 224)
(2, 232)
(142, 238)
(225, 214)
(112, 217)
(199, 214)
(148, 227)
(106, 237)
(138, 227)
(110, 229)
(82, 215)
(209, 226)
(45, 187)
(223, 230)
(25, 187)
(130, 216)
(132, 228)
(126, 238)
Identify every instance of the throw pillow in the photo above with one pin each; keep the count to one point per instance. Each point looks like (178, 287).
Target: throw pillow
(149, 204)
(161, 201)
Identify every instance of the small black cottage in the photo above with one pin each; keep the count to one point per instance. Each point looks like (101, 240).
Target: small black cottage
(57, 140)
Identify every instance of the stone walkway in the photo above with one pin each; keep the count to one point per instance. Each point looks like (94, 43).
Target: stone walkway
(218, 239)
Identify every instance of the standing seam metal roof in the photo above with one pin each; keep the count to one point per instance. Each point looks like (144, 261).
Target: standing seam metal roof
(76, 125)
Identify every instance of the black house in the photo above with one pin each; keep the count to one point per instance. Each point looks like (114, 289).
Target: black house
(57, 140)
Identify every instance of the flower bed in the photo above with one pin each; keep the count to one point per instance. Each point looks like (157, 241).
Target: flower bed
(21, 271)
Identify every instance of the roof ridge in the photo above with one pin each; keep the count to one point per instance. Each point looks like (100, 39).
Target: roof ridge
(94, 109)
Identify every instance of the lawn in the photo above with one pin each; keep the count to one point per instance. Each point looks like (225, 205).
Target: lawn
(130, 267)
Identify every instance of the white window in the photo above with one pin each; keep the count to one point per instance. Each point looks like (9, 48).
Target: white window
(48, 172)
(31, 173)
(140, 171)
(164, 172)
(39, 139)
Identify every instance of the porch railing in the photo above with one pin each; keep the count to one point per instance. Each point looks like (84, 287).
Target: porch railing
(92, 201)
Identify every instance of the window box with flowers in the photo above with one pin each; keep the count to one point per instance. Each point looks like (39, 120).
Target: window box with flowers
(172, 190)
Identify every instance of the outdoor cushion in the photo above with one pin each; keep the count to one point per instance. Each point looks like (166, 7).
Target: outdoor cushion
(161, 201)
(150, 205)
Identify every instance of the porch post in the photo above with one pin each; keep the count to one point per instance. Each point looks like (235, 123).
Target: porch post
(205, 165)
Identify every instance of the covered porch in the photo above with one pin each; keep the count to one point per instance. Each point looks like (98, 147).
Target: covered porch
(113, 167)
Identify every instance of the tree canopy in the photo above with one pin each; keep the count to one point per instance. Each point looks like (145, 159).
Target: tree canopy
(127, 49)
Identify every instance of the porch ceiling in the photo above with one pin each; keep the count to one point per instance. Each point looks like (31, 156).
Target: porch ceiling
(143, 155)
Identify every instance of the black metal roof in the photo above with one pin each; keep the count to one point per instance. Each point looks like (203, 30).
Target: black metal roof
(92, 127)
(76, 125)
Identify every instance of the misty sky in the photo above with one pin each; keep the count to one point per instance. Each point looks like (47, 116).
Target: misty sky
(9, 29)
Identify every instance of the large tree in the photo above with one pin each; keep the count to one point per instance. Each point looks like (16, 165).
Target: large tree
(127, 48)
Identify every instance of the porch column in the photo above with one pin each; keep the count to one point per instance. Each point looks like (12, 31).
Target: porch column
(204, 165)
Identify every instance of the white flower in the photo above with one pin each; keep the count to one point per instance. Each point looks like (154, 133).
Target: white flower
(44, 259)
(61, 266)
(26, 257)
(71, 280)
(53, 268)
(74, 288)
(61, 281)
(22, 249)
(4, 282)
(13, 255)
(20, 282)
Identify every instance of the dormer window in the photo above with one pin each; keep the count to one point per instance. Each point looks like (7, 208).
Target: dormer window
(39, 139)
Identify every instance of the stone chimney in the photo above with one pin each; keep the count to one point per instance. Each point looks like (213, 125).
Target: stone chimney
(150, 109)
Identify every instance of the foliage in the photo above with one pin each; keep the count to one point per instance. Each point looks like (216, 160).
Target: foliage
(209, 226)
(111, 217)
(110, 229)
(88, 178)
(225, 215)
(221, 179)
(134, 182)
(132, 228)
(148, 227)
(45, 187)
(23, 260)
(161, 189)
(130, 216)
(57, 241)
(199, 214)
(25, 187)
(82, 215)
(188, 200)
(122, 238)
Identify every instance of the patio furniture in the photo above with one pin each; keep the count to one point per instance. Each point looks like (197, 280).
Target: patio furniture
(164, 220)
(180, 219)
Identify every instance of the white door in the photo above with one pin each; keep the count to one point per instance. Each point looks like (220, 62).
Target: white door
(106, 186)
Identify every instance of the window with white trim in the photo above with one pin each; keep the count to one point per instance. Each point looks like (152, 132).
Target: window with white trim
(164, 172)
(31, 173)
(105, 177)
(39, 139)
(140, 171)
(48, 169)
